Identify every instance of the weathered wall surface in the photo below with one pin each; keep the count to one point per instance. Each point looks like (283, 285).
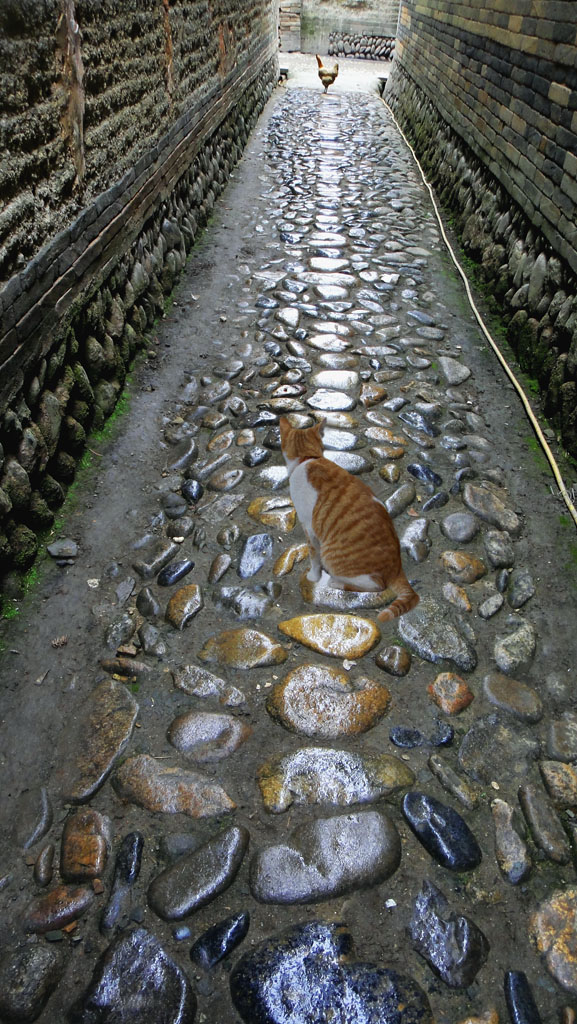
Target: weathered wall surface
(120, 123)
(488, 94)
(368, 19)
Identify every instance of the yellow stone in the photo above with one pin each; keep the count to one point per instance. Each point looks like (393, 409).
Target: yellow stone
(342, 636)
(382, 434)
(286, 562)
(278, 512)
(242, 648)
(320, 701)
(553, 931)
(221, 441)
(184, 604)
(387, 451)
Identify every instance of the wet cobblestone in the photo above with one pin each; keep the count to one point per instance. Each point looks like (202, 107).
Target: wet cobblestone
(335, 313)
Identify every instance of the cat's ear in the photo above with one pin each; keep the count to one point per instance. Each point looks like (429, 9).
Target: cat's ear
(284, 425)
(319, 429)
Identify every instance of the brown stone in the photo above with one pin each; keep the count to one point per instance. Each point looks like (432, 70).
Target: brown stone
(554, 932)
(516, 698)
(458, 596)
(450, 693)
(278, 512)
(242, 648)
(184, 605)
(394, 659)
(371, 394)
(85, 844)
(57, 908)
(511, 851)
(161, 788)
(561, 782)
(462, 568)
(110, 718)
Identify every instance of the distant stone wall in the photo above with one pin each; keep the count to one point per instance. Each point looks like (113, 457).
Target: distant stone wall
(127, 117)
(489, 99)
(368, 19)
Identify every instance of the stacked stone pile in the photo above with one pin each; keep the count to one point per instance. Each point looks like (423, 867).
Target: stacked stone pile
(350, 44)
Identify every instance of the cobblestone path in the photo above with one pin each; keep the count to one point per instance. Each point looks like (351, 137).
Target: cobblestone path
(269, 807)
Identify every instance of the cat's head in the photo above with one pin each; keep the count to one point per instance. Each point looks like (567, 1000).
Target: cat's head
(300, 444)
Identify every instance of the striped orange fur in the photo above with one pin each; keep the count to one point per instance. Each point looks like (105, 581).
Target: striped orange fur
(350, 533)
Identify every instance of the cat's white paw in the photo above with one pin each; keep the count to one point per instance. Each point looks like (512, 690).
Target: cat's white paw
(314, 575)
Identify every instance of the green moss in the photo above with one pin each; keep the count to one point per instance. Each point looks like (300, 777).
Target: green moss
(10, 609)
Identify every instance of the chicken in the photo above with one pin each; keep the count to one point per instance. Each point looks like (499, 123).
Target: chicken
(327, 75)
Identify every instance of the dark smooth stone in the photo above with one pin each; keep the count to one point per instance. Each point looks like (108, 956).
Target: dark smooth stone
(273, 348)
(272, 439)
(27, 977)
(420, 317)
(519, 998)
(261, 418)
(303, 975)
(256, 551)
(402, 736)
(265, 302)
(35, 817)
(256, 456)
(451, 943)
(147, 604)
(174, 571)
(419, 422)
(442, 831)
(192, 490)
(437, 501)
(198, 877)
(443, 734)
(136, 982)
(218, 941)
(126, 871)
(425, 474)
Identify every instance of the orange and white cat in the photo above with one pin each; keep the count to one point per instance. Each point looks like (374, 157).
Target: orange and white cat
(349, 531)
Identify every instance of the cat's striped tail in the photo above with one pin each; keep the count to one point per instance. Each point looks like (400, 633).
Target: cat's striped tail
(406, 599)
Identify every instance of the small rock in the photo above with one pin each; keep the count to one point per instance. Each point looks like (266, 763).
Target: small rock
(498, 549)
(461, 567)
(511, 851)
(546, 829)
(516, 649)
(57, 908)
(160, 788)
(453, 783)
(305, 869)
(242, 649)
(431, 635)
(394, 659)
(220, 940)
(256, 550)
(199, 682)
(519, 998)
(136, 982)
(102, 738)
(174, 571)
(450, 693)
(204, 737)
(452, 944)
(126, 872)
(521, 588)
(184, 605)
(562, 737)
(198, 877)
(494, 749)
(442, 831)
(561, 783)
(516, 698)
(268, 979)
(342, 636)
(316, 700)
(320, 775)
(28, 975)
(85, 846)
(552, 929)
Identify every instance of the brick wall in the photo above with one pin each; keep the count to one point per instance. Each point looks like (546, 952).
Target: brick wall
(504, 76)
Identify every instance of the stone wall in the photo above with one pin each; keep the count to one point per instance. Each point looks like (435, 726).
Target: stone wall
(122, 121)
(361, 45)
(371, 19)
(489, 99)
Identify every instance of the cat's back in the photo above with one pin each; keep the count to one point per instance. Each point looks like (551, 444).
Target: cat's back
(342, 498)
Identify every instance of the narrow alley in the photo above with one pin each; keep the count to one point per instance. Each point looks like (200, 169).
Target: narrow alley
(244, 793)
